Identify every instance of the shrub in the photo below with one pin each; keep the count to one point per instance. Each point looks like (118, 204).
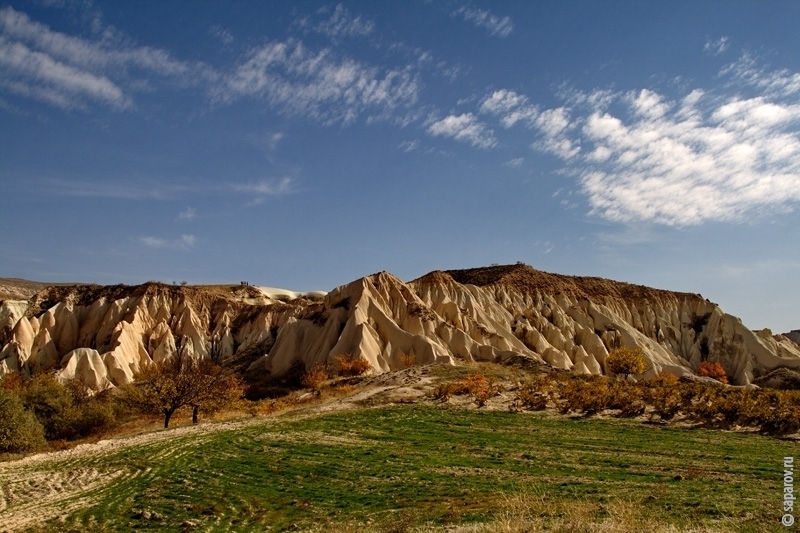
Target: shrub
(481, 387)
(13, 382)
(347, 365)
(52, 404)
(408, 359)
(665, 379)
(584, 395)
(626, 361)
(737, 407)
(535, 393)
(314, 378)
(666, 401)
(20, 431)
(627, 397)
(712, 370)
(444, 391)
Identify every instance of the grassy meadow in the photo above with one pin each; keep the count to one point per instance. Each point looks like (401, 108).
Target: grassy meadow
(423, 467)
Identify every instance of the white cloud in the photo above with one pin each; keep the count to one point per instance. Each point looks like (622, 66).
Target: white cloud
(409, 146)
(185, 242)
(39, 75)
(187, 214)
(265, 187)
(553, 124)
(296, 80)
(501, 27)
(778, 83)
(515, 163)
(511, 106)
(223, 34)
(701, 157)
(466, 128)
(716, 47)
(70, 72)
(342, 24)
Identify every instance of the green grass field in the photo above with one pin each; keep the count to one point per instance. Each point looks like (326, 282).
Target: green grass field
(397, 468)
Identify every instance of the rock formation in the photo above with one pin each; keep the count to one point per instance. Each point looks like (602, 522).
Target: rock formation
(793, 336)
(104, 335)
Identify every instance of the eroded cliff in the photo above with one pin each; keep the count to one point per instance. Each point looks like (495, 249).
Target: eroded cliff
(105, 334)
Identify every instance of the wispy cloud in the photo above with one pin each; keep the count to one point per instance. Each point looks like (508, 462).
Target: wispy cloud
(342, 24)
(515, 163)
(71, 72)
(466, 128)
(187, 214)
(501, 27)
(409, 146)
(223, 34)
(701, 157)
(184, 242)
(776, 83)
(320, 85)
(717, 47)
(258, 191)
(103, 189)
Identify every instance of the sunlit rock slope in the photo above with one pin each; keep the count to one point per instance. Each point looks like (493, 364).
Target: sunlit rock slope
(105, 334)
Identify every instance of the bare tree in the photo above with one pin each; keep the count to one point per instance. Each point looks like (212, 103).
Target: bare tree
(163, 388)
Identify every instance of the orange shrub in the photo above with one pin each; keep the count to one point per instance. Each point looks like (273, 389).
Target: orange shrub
(408, 359)
(712, 370)
(314, 378)
(347, 365)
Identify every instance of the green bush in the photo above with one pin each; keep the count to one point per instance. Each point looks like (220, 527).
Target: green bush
(19, 429)
(52, 404)
(67, 412)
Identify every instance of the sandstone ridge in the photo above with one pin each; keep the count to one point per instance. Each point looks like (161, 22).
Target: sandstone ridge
(105, 334)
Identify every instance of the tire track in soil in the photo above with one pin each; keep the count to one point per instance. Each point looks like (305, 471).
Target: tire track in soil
(51, 485)
(41, 487)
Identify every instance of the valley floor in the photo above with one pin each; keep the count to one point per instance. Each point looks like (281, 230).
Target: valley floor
(384, 456)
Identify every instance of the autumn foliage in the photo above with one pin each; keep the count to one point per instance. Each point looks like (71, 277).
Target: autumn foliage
(626, 361)
(713, 370)
(165, 387)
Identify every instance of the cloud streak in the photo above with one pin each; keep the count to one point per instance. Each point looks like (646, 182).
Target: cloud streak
(296, 80)
(501, 27)
(185, 242)
(70, 72)
(342, 24)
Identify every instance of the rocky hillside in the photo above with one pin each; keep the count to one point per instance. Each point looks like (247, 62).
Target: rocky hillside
(105, 334)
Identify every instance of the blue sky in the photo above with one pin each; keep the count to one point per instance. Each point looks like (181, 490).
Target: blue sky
(306, 144)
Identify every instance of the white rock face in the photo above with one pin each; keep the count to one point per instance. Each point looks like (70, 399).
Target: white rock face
(104, 335)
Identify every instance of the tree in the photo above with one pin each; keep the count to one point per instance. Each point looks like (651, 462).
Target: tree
(163, 388)
(626, 361)
(19, 429)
